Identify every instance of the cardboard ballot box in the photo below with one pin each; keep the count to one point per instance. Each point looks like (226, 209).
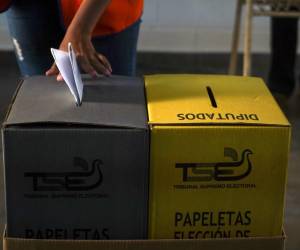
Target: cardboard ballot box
(219, 153)
(77, 172)
(255, 243)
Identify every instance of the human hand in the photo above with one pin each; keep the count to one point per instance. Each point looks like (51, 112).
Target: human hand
(87, 57)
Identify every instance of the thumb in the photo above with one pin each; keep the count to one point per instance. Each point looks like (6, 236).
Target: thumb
(59, 78)
(52, 71)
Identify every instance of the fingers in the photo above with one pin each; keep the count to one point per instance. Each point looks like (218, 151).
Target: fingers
(99, 66)
(59, 78)
(104, 60)
(52, 71)
(100, 63)
(85, 65)
(92, 65)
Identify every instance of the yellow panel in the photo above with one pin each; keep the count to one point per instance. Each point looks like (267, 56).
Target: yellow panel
(188, 99)
(214, 181)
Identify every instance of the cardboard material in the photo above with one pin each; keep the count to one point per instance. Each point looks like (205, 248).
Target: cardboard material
(219, 153)
(259, 243)
(77, 172)
(108, 101)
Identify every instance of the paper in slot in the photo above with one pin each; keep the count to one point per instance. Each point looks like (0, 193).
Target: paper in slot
(68, 67)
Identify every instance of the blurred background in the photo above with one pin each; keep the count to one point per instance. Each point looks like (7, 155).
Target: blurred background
(191, 36)
(184, 26)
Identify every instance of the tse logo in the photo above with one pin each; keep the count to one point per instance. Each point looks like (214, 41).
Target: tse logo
(233, 170)
(68, 181)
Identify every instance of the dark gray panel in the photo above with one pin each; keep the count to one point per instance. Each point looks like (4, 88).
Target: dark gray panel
(107, 101)
(47, 190)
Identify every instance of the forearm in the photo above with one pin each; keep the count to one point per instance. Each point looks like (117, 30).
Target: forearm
(79, 33)
(87, 16)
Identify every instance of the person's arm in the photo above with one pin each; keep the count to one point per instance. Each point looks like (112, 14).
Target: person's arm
(79, 33)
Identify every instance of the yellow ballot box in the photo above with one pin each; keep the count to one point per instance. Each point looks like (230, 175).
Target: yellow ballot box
(219, 155)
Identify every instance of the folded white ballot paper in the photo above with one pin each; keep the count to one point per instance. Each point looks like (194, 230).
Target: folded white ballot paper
(68, 67)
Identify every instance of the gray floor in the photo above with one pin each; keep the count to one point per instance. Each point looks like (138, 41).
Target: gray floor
(187, 63)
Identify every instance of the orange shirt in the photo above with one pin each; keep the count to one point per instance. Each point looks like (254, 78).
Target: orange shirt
(118, 15)
(4, 4)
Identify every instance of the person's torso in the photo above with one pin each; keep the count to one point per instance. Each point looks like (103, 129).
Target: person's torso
(118, 15)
